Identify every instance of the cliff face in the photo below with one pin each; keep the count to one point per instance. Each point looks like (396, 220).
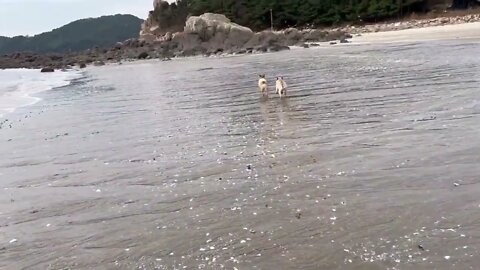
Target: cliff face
(163, 20)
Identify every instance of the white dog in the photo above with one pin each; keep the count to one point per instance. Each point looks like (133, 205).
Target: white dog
(262, 84)
(281, 87)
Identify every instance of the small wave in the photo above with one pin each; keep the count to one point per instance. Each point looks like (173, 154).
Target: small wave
(18, 86)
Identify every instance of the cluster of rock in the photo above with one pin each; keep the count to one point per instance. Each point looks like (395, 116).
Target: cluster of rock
(409, 24)
(215, 34)
(151, 28)
(208, 34)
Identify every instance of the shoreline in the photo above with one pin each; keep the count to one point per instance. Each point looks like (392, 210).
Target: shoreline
(464, 31)
(98, 168)
(410, 23)
(33, 83)
(411, 30)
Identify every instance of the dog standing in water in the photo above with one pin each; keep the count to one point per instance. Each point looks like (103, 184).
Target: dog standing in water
(262, 84)
(281, 87)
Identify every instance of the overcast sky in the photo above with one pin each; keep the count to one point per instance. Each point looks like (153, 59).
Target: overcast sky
(29, 17)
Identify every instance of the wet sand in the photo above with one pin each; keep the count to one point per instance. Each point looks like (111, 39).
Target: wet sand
(370, 163)
(446, 32)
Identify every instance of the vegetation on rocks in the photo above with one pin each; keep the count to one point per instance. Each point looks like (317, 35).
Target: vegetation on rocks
(293, 13)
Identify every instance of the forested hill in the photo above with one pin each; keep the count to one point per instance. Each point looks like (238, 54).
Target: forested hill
(256, 13)
(79, 35)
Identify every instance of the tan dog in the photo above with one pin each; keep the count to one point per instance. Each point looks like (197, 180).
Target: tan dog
(281, 87)
(262, 84)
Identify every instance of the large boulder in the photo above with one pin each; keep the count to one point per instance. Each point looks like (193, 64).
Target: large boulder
(292, 35)
(186, 42)
(216, 29)
(265, 39)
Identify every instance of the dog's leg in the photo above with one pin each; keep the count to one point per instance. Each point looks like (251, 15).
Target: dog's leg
(264, 91)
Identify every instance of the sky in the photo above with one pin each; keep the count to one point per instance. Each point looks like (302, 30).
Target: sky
(30, 17)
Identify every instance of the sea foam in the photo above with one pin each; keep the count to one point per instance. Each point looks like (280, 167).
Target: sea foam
(18, 86)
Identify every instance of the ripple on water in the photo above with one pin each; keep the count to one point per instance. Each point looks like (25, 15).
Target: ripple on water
(183, 165)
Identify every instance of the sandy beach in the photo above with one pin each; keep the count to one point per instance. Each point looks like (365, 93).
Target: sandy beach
(370, 163)
(445, 32)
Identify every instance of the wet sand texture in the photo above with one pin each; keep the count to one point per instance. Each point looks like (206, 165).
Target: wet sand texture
(370, 163)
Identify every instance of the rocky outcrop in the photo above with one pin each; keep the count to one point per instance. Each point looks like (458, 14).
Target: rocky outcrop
(162, 21)
(151, 27)
(215, 34)
(215, 26)
(211, 34)
(214, 31)
(150, 30)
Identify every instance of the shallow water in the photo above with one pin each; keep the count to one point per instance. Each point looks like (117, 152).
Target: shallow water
(19, 86)
(370, 163)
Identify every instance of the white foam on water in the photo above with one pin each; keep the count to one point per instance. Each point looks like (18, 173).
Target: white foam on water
(17, 86)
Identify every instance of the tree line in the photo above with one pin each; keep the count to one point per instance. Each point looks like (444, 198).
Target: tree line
(256, 14)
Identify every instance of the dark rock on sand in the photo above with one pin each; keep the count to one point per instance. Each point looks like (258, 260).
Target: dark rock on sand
(142, 55)
(278, 48)
(261, 49)
(48, 69)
